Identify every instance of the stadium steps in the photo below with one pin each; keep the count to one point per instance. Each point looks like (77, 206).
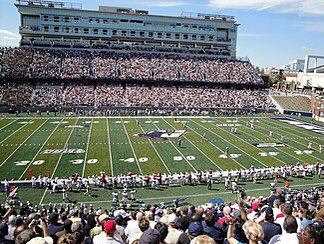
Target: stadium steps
(295, 103)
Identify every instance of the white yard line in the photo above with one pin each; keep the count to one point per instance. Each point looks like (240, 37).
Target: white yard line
(212, 143)
(42, 199)
(196, 146)
(183, 156)
(222, 139)
(292, 140)
(40, 149)
(23, 143)
(236, 146)
(131, 145)
(250, 143)
(288, 154)
(86, 153)
(109, 146)
(65, 145)
(157, 153)
(13, 133)
(8, 124)
(197, 195)
(301, 131)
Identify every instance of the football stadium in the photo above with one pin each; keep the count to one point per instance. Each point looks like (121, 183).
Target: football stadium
(121, 126)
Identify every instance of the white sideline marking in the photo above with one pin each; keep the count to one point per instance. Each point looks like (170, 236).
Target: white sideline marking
(197, 195)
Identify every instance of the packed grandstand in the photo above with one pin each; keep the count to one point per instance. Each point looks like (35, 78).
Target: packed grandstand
(32, 64)
(80, 78)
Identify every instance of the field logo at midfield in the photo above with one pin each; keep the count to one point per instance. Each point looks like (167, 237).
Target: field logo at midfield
(161, 134)
(63, 151)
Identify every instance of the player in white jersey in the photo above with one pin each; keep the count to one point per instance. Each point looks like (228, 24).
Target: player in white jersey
(270, 133)
(69, 184)
(64, 191)
(226, 183)
(309, 145)
(115, 198)
(79, 183)
(234, 186)
(54, 187)
(124, 197)
(133, 192)
(88, 188)
(33, 179)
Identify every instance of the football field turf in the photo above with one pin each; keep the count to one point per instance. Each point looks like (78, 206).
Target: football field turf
(61, 147)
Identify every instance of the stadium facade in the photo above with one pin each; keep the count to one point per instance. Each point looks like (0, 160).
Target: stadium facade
(59, 24)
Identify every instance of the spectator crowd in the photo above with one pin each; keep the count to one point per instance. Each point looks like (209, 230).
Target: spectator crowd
(131, 96)
(286, 216)
(64, 64)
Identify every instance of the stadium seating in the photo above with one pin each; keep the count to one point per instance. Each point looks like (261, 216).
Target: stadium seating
(294, 103)
(131, 96)
(67, 64)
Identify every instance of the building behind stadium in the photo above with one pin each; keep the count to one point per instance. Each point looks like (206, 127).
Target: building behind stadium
(59, 24)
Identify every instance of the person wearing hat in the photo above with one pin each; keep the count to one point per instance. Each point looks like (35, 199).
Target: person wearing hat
(109, 228)
(174, 233)
(256, 210)
(150, 236)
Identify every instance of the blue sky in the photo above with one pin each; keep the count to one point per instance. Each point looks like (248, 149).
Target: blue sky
(272, 32)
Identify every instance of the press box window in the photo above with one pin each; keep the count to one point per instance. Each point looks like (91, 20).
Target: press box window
(86, 31)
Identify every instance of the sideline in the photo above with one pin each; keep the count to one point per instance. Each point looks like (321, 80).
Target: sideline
(194, 195)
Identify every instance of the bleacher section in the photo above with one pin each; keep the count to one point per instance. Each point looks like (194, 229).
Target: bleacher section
(293, 103)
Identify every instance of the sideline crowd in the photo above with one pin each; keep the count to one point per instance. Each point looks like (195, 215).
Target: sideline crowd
(285, 217)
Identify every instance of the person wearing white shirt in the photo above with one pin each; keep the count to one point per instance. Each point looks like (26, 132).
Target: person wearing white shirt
(287, 211)
(289, 232)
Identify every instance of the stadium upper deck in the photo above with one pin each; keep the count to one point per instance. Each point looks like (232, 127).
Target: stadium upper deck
(57, 24)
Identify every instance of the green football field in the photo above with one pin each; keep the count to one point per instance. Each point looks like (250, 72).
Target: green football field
(109, 144)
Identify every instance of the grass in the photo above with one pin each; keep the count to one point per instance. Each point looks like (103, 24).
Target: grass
(109, 144)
